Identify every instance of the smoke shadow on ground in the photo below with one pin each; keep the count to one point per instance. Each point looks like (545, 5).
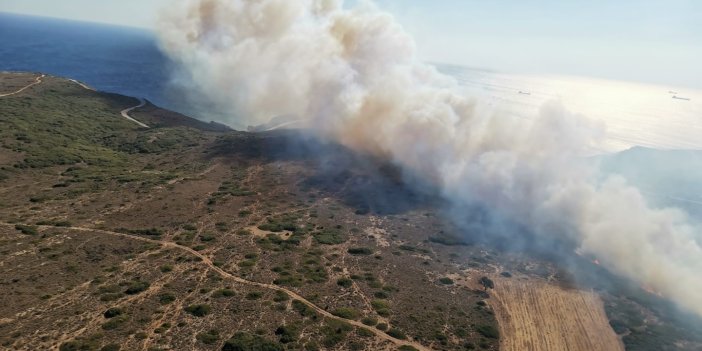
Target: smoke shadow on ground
(366, 183)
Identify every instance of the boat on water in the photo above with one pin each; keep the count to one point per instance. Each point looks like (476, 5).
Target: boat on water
(680, 98)
(524, 92)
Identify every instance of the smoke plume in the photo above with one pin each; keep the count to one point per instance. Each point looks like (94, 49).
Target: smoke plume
(351, 74)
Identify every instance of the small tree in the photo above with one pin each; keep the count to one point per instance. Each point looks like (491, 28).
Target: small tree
(487, 283)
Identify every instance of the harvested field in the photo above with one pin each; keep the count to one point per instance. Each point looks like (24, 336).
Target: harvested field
(537, 316)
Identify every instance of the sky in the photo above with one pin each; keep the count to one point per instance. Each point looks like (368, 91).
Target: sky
(636, 40)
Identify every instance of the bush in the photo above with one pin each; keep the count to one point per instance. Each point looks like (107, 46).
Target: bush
(243, 341)
(446, 281)
(360, 251)
(288, 333)
(147, 231)
(223, 293)
(198, 310)
(397, 334)
(303, 309)
(114, 323)
(380, 304)
(136, 287)
(407, 348)
(254, 295)
(447, 239)
(281, 296)
(110, 347)
(209, 337)
(207, 237)
(369, 321)
(79, 345)
(26, 230)
(381, 295)
(329, 237)
(166, 298)
(113, 312)
(344, 282)
(618, 326)
(346, 312)
(488, 331)
(334, 332)
(382, 326)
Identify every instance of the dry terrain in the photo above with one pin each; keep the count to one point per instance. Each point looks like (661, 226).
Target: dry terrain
(187, 235)
(537, 316)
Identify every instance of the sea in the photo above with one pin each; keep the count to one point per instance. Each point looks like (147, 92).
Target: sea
(654, 132)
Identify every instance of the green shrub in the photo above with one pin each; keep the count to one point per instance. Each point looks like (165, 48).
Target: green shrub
(113, 312)
(26, 230)
(223, 293)
(281, 296)
(381, 295)
(243, 341)
(114, 323)
(447, 239)
(488, 331)
(207, 237)
(136, 287)
(334, 332)
(397, 334)
(254, 295)
(446, 281)
(382, 326)
(380, 304)
(79, 345)
(369, 321)
(360, 251)
(166, 268)
(303, 309)
(166, 298)
(407, 348)
(288, 333)
(346, 312)
(344, 282)
(329, 237)
(198, 310)
(110, 347)
(209, 337)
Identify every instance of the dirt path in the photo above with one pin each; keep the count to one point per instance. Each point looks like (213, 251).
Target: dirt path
(82, 85)
(207, 261)
(538, 316)
(36, 81)
(125, 113)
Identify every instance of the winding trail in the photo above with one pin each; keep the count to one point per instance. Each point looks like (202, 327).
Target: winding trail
(36, 81)
(125, 113)
(207, 261)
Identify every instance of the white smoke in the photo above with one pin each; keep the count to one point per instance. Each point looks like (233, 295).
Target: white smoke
(351, 74)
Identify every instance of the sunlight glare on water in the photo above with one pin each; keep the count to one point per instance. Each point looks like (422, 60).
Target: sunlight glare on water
(634, 114)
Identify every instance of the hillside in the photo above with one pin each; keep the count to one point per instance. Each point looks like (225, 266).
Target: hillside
(186, 235)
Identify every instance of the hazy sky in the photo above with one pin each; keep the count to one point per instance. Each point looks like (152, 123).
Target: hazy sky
(641, 40)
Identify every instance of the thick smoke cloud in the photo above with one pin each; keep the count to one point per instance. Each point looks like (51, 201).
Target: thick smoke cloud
(351, 74)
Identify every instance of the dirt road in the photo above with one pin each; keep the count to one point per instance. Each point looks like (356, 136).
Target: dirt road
(36, 81)
(537, 316)
(207, 261)
(125, 113)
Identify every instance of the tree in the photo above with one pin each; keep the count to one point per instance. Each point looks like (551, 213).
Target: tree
(487, 283)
